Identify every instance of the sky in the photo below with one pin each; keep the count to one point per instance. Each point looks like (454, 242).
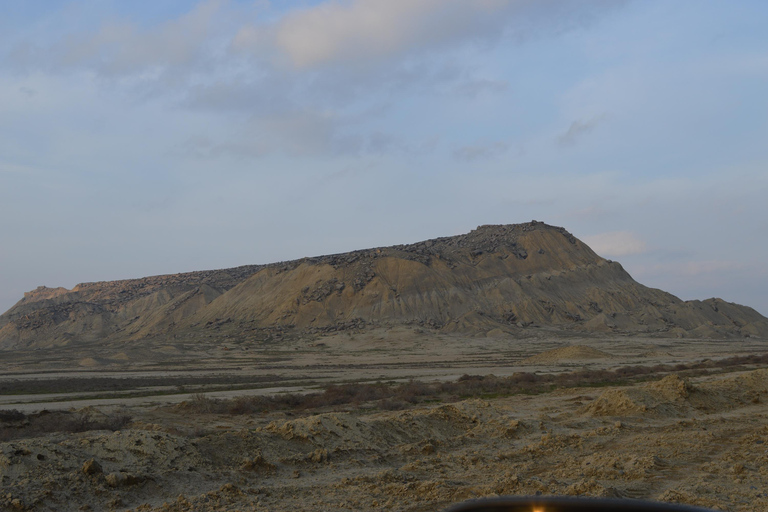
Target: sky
(144, 138)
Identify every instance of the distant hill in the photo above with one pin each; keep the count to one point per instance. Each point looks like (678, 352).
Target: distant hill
(505, 278)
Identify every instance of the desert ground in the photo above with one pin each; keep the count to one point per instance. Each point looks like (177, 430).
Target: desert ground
(394, 419)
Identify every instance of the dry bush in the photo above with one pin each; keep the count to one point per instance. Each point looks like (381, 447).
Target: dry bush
(392, 404)
(414, 391)
(203, 404)
(9, 415)
(400, 396)
(114, 422)
(245, 405)
(17, 425)
(741, 360)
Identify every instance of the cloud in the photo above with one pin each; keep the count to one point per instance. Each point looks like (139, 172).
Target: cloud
(365, 31)
(474, 88)
(589, 213)
(300, 133)
(296, 78)
(27, 91)
(119, 49)
(695, 268)
(215, 34)
(579, 129)
(11, 168)
(616, 243)
(298, 81)
(480, 151)
(698, 268)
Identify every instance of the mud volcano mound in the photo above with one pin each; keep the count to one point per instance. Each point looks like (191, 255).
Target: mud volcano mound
(511, 278)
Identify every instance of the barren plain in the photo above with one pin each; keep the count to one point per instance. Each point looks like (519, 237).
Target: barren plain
(665, 419)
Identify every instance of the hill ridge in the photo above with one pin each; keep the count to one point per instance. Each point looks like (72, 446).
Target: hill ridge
(503, 278)
(246, 270)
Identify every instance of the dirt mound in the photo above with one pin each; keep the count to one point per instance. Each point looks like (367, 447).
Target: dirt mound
(671, 388)
(666, 397)
(96, 466)
(732, 392)
(674, 396)
(446, 423)
(567, 354)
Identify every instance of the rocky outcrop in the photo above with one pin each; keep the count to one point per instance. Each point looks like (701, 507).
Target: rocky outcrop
(509, 277)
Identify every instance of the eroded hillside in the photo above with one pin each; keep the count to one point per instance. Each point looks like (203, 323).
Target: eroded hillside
(505, 278)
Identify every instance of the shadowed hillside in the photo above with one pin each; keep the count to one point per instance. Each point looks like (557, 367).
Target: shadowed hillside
(497, 279)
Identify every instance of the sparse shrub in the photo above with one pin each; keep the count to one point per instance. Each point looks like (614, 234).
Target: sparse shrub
(245, 405)
(391, 404)
(413, 390)
(47, 422)
(392, 396)
(81, 422)
(202, 404)
(9, 415)
(116, 421)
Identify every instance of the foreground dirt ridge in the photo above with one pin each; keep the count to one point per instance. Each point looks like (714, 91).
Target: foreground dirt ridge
(507, 279)
(696, 442)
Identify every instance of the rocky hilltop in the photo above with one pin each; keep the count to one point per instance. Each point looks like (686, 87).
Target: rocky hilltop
(501, 278)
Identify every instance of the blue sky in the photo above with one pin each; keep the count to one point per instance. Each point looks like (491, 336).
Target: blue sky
(141, 138)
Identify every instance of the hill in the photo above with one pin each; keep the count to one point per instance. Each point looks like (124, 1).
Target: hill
(501, 278)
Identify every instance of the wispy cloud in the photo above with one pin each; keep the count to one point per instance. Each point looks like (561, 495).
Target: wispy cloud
(11, 168)
(297, 77)
(579, 129)
(616, 243)
(480, 151)
(697, 268)
(123, 49)
(476, 87)
(29, 92)
(364, 31)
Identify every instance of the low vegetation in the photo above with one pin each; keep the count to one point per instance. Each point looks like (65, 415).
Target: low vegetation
(393, 396)
(382, 395)
(17, 425)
